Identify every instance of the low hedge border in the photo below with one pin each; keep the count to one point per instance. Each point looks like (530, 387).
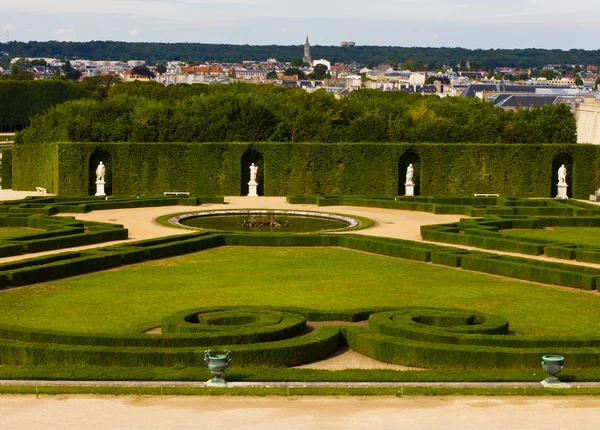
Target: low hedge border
(129, 253)
(424, 337)
(52, 205)
(486, 233)
(460, 205)
(61, 232)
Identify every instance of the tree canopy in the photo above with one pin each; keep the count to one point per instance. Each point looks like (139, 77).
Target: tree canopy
(150, 112)
(200, 52)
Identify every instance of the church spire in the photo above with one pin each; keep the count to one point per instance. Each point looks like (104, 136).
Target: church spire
(307, 58)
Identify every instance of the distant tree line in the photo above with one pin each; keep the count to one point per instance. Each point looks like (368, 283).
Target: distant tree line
(150, 112)
(200, 52)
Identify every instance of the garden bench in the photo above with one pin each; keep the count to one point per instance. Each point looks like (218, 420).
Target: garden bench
(486, 195)
(41, 190)
(176, 193)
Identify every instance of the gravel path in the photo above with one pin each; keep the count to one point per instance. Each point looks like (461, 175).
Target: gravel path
(448, 413)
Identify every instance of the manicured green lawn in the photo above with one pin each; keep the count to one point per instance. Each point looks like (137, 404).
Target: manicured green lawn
(121, 300)
(580, 235)
(8, 232)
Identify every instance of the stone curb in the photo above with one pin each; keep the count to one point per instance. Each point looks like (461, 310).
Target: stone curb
(198, 384)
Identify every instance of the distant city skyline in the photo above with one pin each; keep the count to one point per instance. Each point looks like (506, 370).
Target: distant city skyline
(470, 24)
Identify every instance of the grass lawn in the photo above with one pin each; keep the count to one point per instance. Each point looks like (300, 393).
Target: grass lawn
(10, 232)
(580, 235)
(121, 300)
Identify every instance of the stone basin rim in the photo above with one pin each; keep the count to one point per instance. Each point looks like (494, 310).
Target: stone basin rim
(553, 357)
(352, 222)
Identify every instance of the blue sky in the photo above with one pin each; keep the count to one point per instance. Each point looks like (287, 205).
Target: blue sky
(466, 23)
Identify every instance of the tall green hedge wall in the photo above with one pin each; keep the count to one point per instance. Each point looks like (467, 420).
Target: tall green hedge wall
(6, 169)
(307, 169)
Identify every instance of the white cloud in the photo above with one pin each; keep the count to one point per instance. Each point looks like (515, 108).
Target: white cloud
(133, 32)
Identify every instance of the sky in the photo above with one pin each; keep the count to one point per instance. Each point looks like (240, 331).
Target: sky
(549, 24)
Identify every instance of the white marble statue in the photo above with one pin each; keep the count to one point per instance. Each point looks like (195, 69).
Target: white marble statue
(253, 172)
(100, 172)
(562, 175)
(409, 175)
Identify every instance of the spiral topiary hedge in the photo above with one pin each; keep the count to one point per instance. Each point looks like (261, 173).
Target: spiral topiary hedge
(455, 338)
(418, 336)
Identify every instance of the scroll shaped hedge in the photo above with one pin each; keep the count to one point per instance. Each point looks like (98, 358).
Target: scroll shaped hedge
(59, 232)
(487, 233)
(422, 337)
(256, 337)
(461, 339)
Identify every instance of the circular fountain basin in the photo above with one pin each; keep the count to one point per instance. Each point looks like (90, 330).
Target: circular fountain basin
(287, 221)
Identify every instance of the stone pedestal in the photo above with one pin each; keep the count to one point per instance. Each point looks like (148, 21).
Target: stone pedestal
(410, 189)
(562, 191)
(100, 189)
(252, 189)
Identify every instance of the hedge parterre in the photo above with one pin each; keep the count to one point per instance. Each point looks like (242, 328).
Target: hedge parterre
(489, 233)
(55, 233)
(424, 337)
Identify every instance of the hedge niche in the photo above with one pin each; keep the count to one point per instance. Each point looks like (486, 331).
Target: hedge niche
(368, 169)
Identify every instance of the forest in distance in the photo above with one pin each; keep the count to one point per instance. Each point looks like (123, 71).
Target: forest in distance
(366, 55)
(151, 112)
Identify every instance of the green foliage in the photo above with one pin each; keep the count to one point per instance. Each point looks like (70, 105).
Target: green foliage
(201, 52)
(320, 71)
(495, 232)
(25, 99)
(309, 169)
(61, 232)
(7, 169)
(150, 112)
(442, 338)
(294, 71)
(454, 338)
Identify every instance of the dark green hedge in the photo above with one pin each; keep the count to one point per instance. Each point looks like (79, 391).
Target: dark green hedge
(367, 169)
(6, 169)
(425, 337)
(60, 232)
(487, 233)
(22, 100)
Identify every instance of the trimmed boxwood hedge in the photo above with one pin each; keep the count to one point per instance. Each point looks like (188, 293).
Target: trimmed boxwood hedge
(52, 205)
(368, 169)
(486, 233)
(6, 169)
(61, 232)
(425, 337)
(519, 268)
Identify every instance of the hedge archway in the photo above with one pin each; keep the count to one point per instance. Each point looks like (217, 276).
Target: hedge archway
(559, 160)
(407, 158)
(249, 157)
(95, 159)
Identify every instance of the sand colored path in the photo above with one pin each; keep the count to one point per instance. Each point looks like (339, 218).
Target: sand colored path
(460, 413)
(140, 222)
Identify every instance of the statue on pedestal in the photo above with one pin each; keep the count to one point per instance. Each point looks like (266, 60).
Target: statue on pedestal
(252, 185)
(100, 172)
(562, 183)
(253, 172)
(409, 175)
(562, 175)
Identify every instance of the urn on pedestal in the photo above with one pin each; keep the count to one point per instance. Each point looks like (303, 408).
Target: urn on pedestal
(217, 364)
(553, 364)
